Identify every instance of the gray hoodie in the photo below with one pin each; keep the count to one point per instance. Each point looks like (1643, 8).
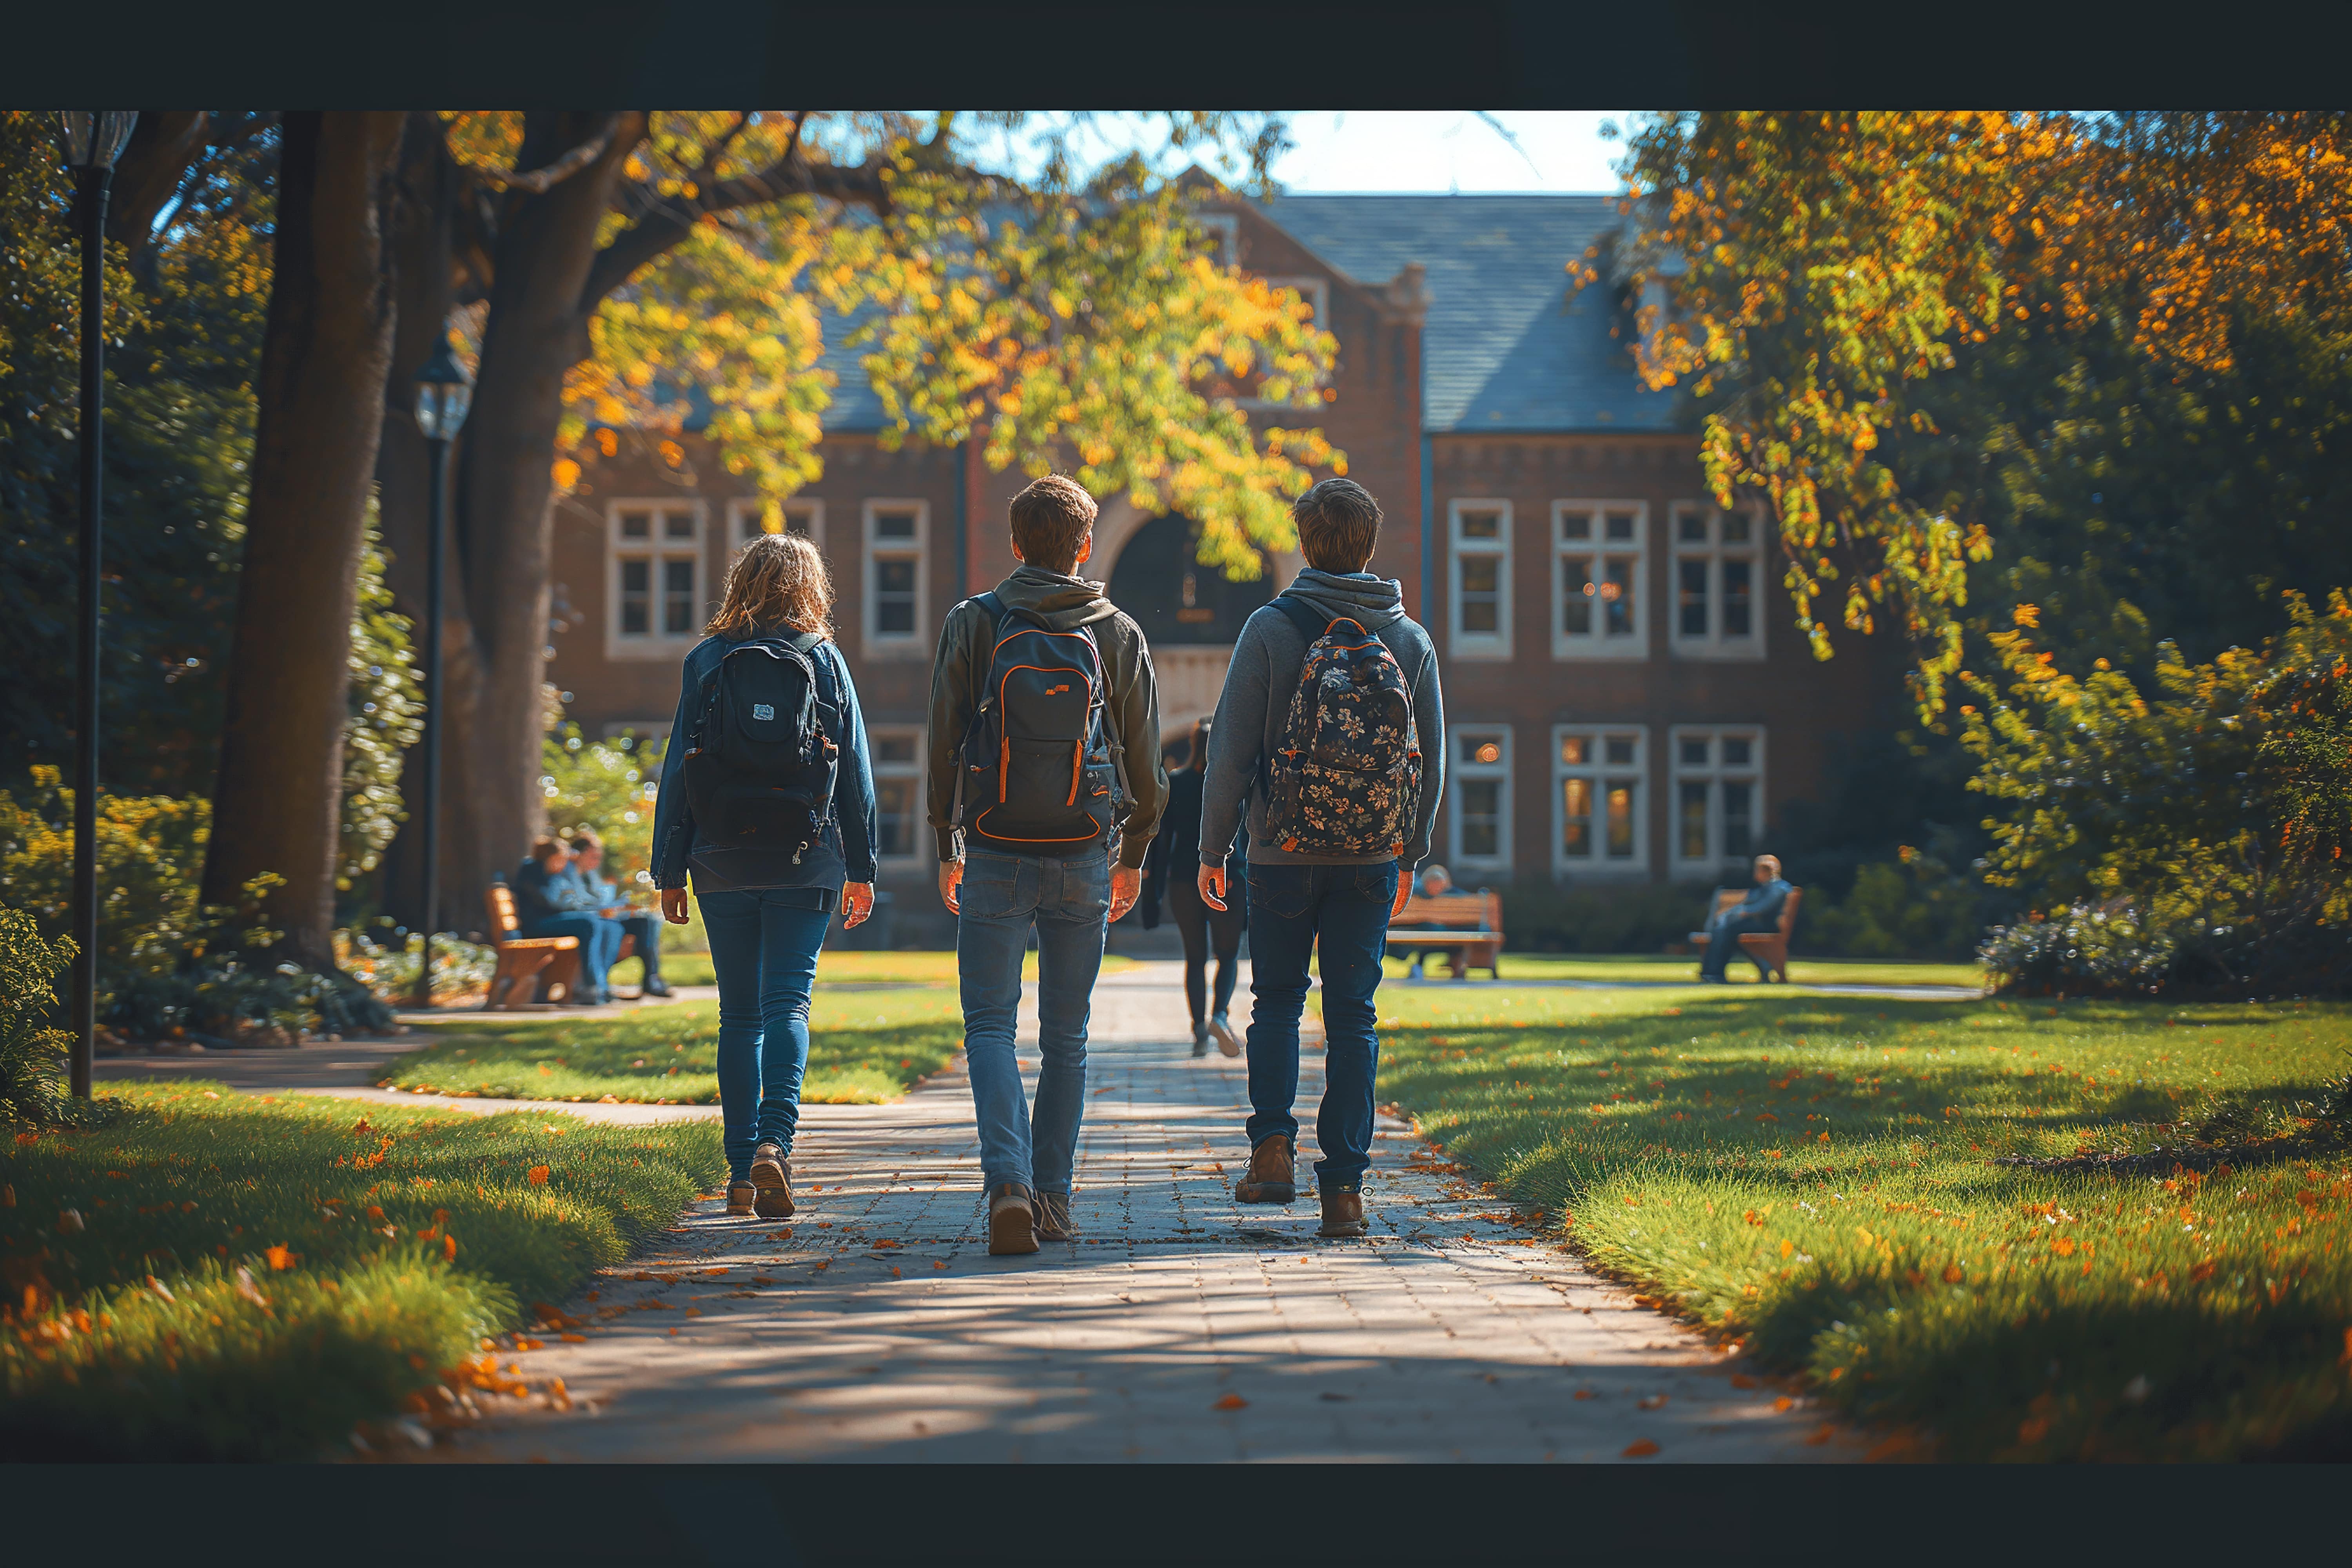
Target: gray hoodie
(967, 642)
(1259, 686)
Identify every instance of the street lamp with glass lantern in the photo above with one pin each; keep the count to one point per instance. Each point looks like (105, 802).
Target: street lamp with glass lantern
(92, 140)
(444, 391)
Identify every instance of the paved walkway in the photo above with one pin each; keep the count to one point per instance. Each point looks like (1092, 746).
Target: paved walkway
(1179, 1327)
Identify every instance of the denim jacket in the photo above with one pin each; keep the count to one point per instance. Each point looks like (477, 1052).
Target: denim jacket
(845, 852)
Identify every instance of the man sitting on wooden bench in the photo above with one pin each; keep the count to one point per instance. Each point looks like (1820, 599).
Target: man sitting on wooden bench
(1468, 928)
(1757, 924)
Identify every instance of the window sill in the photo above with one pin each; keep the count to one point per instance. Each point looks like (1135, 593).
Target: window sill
(1749, 652)
(1635, 650)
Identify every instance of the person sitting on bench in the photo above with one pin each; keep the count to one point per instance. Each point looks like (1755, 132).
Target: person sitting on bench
(540, 891)
(1436, 882)
(598, 896)
(1759, 912)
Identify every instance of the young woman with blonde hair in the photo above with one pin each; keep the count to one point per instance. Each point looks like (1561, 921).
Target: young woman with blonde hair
(767, 907)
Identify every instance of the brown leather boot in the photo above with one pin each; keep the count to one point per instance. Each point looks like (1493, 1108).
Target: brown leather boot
(1273, 1175)
(1343, 1213)
(1053, 1222)
(771, 1175)
(740, 1195)
(1012, 1221)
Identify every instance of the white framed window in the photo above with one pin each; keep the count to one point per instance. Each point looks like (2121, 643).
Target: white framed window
(1316, 291)
(1600, 579)
(744, 515)
(897, 753)
(1718, 796)
(1479, 545)
(1599, 799)
(1719, 569)
(896, 593)
(654, 587)
(1478, 777)
(1225, 232)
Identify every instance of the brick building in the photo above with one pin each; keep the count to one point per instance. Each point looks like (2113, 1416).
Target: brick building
(1627, 693)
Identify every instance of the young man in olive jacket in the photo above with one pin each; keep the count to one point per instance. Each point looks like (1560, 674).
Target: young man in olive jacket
(1071, 892)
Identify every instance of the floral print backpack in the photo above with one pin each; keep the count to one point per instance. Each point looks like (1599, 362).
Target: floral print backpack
(1345, 774)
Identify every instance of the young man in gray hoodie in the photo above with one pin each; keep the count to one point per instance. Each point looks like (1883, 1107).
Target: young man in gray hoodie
(1296, 899)
(1070, 891)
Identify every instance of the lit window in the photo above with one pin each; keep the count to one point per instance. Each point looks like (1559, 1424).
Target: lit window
(654, 555)
(898, 758)
(1481, 577)
(1718, 567)
(897, 536)
(1718, 797)
(1480, 783)
(1600, 580)
(1599, 796)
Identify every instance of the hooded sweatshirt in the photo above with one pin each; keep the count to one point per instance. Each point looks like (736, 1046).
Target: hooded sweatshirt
(1268, 663)
(967, 644)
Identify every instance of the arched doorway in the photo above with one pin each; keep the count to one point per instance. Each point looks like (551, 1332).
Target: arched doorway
(1191, 615)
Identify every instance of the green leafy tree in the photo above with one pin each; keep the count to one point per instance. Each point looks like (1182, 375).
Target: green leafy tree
(387, 717)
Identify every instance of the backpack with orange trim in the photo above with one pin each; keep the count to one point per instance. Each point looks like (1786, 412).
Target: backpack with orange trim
(1344, 777)
(1040, 769)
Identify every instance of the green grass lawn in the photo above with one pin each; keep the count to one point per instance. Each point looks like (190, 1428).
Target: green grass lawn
(1656, 967)
(223, 1276)
(1814, 1176)
(865, 1048)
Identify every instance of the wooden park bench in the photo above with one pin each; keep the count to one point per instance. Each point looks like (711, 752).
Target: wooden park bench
(1767, 948)
(1476, 943)
(530, 968)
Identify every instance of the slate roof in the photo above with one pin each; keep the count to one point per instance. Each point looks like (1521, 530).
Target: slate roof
(1508, 347)
(1505, 346)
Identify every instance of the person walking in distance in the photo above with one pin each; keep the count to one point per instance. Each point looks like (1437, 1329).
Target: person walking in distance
(1045, 789)
(766, 806)
(1176, 849)
(1329, 729)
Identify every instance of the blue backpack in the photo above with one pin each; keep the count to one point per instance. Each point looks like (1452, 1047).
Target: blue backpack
(1040, 769)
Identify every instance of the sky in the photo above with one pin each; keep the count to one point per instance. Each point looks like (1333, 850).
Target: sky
(1449, 150)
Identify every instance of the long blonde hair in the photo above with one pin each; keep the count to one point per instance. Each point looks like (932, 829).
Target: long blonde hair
(779, 580)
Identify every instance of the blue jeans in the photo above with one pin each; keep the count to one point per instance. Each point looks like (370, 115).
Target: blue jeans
(1723, 933)
(646, 929)
(599, 948)
(764, 953)
(1290, 908)
(1069, 903)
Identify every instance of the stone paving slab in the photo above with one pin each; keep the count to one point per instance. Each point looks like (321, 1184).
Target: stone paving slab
(1179, 1326)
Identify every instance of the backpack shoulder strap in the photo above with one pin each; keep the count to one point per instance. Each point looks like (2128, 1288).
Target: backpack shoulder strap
(1311, 622)
(992, 605)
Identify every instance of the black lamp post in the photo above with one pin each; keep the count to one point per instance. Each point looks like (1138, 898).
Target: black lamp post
(443, 393)
(93, 139)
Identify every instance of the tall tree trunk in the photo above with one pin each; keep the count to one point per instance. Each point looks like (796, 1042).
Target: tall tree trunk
(325, 356)
(537, 331)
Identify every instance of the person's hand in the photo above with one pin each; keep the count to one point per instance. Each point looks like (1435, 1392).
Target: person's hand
(950, 876)
(1404, 891)
(673, 905)
(1213, 886)
(1126, 886)
(856, 903)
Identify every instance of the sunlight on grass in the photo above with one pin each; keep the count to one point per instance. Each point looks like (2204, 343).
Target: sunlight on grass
(1815, 1172)
(223, 1276)
(1653, 967)
(865, 1048)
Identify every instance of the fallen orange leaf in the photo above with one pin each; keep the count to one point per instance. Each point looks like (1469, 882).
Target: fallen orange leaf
(1784, 1403)
(1584, 1393)
(1741, 1380)
(1229, 1402)
(537, 1175)
(279, 1258)
(1820, 1435)
(582, 1339)
(1641, 1450)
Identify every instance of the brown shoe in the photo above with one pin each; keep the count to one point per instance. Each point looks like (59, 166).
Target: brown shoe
(1273, 1172)
(772, 1174)
(1053, 1222)
(1343, 1213)
(1012, 1221)
(740, 1196)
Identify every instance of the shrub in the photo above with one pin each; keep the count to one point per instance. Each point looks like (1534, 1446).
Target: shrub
(1914, 906)
(167, 961)
(32, 1055)
(1638, 917)
(2194, 836)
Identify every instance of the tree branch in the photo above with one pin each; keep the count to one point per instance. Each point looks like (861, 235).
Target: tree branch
(540, 181)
